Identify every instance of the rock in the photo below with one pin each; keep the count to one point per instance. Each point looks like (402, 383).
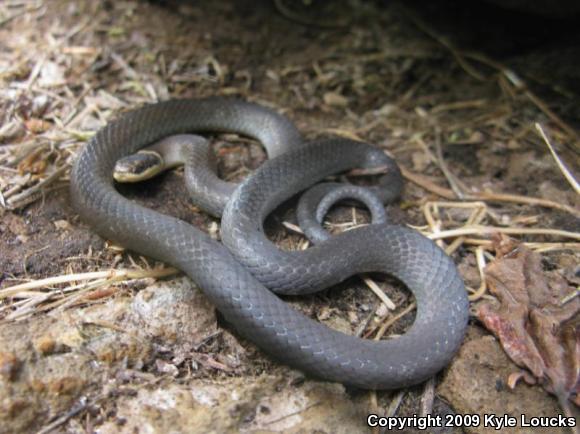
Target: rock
(47, 364)
(253, 404)
(475, 383)
(38, 388)
(9, 365)
(175, 311)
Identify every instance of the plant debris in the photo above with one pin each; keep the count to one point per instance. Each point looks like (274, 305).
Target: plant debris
(536, 320)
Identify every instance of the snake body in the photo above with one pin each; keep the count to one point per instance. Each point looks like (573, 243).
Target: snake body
(239, 279)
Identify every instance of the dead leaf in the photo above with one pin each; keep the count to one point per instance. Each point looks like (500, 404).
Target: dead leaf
(535, 330)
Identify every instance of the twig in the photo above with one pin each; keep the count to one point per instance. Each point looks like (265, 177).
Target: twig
(484, 195)
(13, 201)
(111, 275)
(292, 227)
(503, 197)
(480, 258)
(478, 230)
(477, 215)
(379, 292)
(294, 413)
(451, 179)
(538, 247)
(364, 324)
(428, 397)
(427, 184)
(569, 297)
(374, 408)
(569, 177)
(395, 403)
(81, 406)
(393, 320)
(475, 218)
(519, 84)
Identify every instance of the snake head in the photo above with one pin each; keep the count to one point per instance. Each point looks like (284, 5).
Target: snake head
(138, 167)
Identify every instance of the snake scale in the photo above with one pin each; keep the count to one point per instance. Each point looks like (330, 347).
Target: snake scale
(239, 275)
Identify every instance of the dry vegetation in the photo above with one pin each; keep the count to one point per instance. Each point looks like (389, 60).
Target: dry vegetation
(482, 152)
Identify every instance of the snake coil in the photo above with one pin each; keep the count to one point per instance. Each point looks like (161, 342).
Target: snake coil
(240, 279)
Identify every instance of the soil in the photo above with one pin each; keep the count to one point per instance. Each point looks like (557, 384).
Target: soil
(146, 355)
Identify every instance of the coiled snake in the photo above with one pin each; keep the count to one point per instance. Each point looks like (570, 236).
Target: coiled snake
(239, 275)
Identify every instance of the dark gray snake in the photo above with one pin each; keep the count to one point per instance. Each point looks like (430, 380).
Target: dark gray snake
(239, 279)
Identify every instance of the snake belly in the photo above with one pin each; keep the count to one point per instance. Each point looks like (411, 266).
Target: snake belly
(240, 283)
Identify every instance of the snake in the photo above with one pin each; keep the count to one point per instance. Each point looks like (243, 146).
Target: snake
(245, 273)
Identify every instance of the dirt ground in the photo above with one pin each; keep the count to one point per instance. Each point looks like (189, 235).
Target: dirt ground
(460, 96)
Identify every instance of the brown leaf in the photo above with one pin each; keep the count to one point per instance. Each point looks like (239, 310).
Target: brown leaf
(535, 331)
